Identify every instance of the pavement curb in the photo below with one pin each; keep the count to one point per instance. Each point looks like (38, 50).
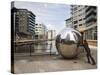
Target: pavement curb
(92, 46)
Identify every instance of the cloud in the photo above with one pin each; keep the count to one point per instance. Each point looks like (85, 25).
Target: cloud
(50, 27)
(53, 15)
(45, 5)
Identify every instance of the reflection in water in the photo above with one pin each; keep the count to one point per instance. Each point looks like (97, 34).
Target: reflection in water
(43, 47)
(39, 47)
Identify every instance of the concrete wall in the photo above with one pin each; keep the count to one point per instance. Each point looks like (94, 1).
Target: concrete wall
(92, 42)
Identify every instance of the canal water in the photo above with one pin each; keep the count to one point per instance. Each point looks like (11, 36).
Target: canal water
(44, 47)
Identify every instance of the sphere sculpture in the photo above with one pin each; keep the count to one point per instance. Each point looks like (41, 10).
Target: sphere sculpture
(67, 42)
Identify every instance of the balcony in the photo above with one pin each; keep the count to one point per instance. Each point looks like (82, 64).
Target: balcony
(81, 28)
(89, 7)
(91, 18)
(92, 10)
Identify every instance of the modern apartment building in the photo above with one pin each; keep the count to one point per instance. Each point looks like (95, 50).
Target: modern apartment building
(31, 22)
(84, 19)
(23, 22)
(91, 22)
(69, 22)
(78, 16)
(40, 31)
(40, 34)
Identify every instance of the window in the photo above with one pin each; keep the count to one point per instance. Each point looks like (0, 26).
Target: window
(75, 8)
(84, 18)
(36, 36)
(75, 22)
(36, 24)
(36, 29)
(80, 19)
(80, 14)
(79, 5)
(80, 10)
(75, 26)
(80, 24)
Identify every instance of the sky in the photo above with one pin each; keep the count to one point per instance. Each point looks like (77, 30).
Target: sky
(52, 15)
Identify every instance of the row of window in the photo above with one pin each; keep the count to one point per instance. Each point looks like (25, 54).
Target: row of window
(38, 29)
(80, 15)
(31, 22)
(75, 12)
(32, 18)
(75, 22)
(77, 25)
(21, 12)
(91, 34)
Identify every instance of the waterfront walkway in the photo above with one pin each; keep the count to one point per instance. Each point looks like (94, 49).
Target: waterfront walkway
(47, 63)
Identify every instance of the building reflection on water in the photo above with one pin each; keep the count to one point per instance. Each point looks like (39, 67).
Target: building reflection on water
(45, 46)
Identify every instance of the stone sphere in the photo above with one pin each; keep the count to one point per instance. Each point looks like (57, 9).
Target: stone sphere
(67, 41)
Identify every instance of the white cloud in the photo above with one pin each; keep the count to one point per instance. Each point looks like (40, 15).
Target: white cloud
(50, 27)
(58, 28)
(45, 5)
(50, 14)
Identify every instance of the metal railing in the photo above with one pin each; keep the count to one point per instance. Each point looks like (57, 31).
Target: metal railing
(28, 46)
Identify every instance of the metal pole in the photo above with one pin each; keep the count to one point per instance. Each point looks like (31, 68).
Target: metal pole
(51, 43)
(30, 49)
